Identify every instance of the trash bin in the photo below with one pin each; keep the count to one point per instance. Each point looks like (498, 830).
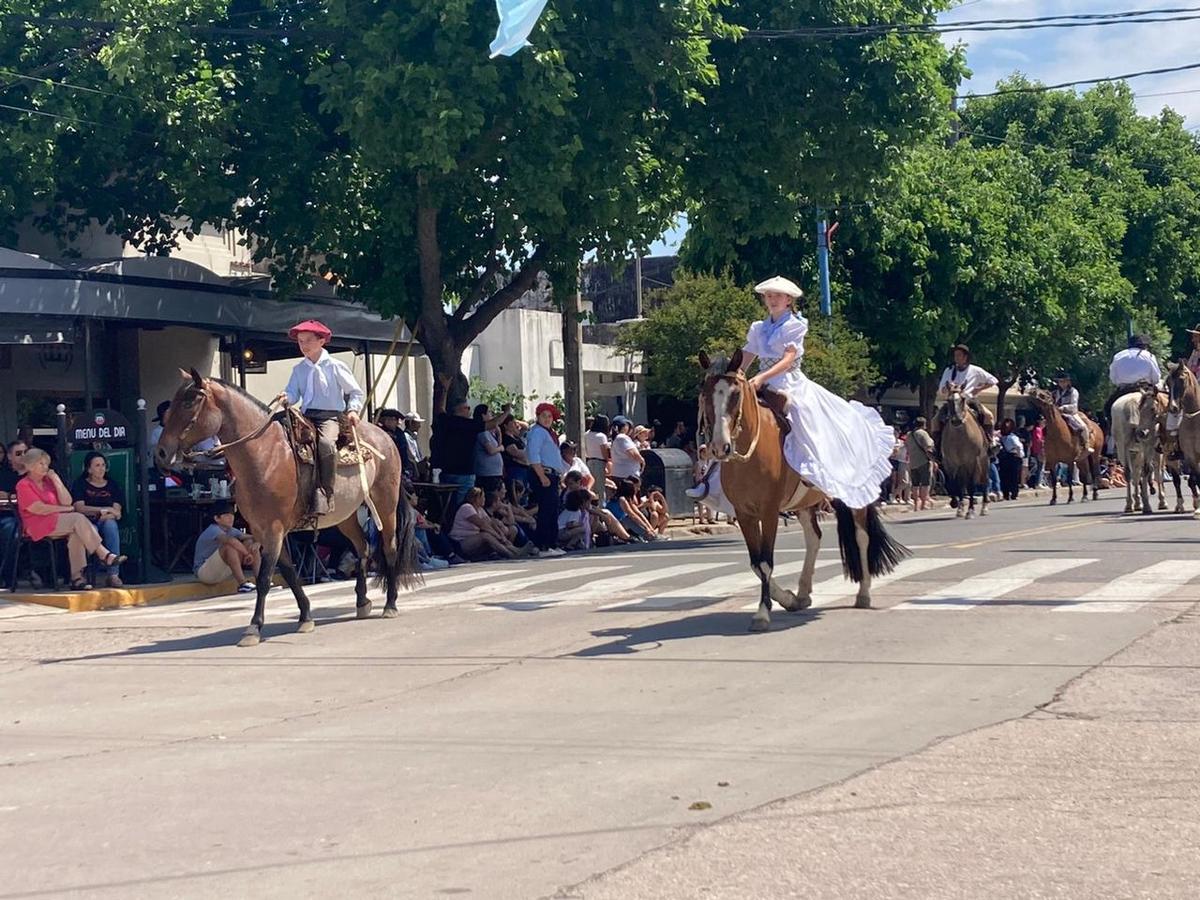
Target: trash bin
(670, 470)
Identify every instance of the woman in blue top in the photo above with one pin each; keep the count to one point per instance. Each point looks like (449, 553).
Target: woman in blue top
(839, 446)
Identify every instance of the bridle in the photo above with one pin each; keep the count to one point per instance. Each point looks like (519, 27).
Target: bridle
(735, 430)
(1184, 389)
(202, 397)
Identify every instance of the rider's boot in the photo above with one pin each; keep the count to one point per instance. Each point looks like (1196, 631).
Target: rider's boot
(326, 473)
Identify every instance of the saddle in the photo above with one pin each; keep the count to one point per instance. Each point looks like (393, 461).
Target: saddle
(777, 404)
(303, 437)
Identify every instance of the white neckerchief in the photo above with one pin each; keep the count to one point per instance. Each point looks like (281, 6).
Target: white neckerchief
(314, 373)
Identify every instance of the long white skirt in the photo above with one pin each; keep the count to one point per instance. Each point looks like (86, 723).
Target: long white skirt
(839, 446)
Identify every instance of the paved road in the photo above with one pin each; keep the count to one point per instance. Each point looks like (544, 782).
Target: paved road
(523, 727)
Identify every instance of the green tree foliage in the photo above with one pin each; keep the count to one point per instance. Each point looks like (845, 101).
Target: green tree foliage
(712, 314)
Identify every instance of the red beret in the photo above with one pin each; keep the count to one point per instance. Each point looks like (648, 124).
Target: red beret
(550, 408)
(310, 325)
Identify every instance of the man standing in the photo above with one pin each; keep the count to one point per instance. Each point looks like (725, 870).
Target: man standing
(920, 466)
(324, 388)
(1129, 369)
(546, 463)
(678, 438)
(389, 421)
(454, 436)
(971, 379)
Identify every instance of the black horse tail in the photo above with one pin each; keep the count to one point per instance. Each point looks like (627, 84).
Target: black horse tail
(405, 566)
(883, 552)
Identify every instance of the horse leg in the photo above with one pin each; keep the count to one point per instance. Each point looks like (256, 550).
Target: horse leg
(1160, 477)
(1144, 485)
(812, 544)
(266, 569)
(288, 568)
(354, 533)
(1053, 467)
(781, 595)
(862, 538)
(1177, 482)
(752, 535)
(971, 501)
(983, 503)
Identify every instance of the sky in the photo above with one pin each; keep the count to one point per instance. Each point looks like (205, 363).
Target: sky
(1055, 55)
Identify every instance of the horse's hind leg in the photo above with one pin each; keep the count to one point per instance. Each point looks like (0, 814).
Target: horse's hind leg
(354, 533)
(862, 538)
(288, 568)
(812, 544)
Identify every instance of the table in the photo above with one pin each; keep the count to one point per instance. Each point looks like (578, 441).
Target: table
(436, 498)
(182, 519)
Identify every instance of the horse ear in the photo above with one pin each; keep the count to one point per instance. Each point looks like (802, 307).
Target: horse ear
(185, 374)
(735, 362)
(705, 362)
(197, 378)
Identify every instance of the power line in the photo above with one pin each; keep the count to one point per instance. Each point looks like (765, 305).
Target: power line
(73, 119)
(1040, 88)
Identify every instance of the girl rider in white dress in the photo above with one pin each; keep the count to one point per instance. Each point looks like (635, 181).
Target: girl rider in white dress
(840, 447)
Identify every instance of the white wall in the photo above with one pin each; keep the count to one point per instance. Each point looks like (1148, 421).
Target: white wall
(164, 353)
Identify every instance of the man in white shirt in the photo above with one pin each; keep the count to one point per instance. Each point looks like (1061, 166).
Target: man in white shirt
(1131, 368)
(971, 379)
(324, 388)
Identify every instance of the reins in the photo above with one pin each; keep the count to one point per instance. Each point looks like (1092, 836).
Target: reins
(735, 430)
(221, 449)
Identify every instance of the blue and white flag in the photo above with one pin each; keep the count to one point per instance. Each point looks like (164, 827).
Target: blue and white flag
(517, 18)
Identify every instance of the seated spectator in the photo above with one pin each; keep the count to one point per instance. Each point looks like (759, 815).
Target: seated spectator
(573, 463)
(503, 512)
(625, 508)
(489, 454)
(47, 510)
(574, 523)
(478, 534)
(13, 468)
(96, 496)
(223, 551)
(603, 522)
(653, 505)
(641, 437)
(678, 438)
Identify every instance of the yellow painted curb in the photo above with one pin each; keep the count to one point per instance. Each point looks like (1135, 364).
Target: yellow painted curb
(121, 598)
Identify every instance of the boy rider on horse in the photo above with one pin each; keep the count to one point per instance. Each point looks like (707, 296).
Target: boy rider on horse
(1066, 398)
(972, 379)
(1130, 369)
(325, 388)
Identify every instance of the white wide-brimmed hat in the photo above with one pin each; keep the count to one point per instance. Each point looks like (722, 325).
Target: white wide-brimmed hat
(780, 284)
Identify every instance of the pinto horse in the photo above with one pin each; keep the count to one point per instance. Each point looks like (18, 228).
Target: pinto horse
(273, 491)
(755, 477)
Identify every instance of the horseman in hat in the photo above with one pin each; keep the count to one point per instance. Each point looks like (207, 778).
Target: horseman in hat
(325, 389)
(1193, 360)
(971, 379)
(1130, 369)
(1066, 398)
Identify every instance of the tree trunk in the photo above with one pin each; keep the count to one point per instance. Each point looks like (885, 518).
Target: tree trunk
(1001, 394)
(445, 357)
(928, 395)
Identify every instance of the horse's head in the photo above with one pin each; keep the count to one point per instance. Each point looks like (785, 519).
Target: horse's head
(1145, 413)
(191, 418)
(721, 398)
(958, 404)
(1041, 398)
(1179, 379)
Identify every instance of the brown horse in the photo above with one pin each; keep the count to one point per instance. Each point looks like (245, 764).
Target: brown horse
(274, 488)
(1061, 447)
(964, 454)
(1183, 400)
(747, 441)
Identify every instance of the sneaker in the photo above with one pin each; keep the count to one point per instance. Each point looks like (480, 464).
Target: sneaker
(245, 587)
(552, 552)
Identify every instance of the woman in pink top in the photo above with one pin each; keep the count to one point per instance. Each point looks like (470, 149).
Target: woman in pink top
(47, 510)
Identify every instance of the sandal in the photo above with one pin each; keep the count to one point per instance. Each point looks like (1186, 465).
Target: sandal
(80, 584)
(113, 560)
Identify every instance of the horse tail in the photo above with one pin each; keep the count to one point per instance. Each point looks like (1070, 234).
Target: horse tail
(403, 564)
(884, 553)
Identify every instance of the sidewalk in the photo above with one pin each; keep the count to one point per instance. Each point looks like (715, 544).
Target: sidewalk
(1094, 795)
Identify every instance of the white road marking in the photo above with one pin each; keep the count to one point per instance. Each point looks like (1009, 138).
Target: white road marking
(835, 589)
(979, 589)
(1133, 590)
(599, 590)
(708, 592)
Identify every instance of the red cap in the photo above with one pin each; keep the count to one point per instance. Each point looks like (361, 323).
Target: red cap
(310, 325)
(550, 408)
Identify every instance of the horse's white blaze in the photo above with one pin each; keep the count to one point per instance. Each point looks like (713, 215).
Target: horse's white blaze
(722, 424)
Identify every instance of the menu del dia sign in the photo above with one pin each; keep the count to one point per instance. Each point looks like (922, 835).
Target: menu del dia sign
(105, 426)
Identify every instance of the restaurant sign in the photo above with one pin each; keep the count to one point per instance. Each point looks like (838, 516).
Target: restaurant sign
(101, 426)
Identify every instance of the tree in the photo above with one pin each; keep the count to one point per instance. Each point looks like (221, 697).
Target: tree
(377, 144)
(712, 314)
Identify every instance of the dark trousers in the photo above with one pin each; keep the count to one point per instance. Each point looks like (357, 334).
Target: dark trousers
(1010, 474)
(326, 423)
(546, 535)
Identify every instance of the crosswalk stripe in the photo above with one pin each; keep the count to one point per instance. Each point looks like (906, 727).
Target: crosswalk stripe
(495, 588)
(707, 592)
(598, 590)
(1145, 584)
(833, 590)
(979, 589)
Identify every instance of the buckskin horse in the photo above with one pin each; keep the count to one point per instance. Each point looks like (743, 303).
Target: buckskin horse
(1135, 433)
(746, 439)
(1062, 448)
(274, 489)
(964, 454)
(1183, 400)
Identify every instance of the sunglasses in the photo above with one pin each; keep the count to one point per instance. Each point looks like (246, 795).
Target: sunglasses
(16, 452)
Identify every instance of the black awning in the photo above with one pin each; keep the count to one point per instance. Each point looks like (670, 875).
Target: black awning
(35, 330)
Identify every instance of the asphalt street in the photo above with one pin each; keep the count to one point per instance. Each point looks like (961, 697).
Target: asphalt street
(524, 728)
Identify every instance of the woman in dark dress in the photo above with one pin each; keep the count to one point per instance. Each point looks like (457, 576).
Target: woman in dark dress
(98, 497)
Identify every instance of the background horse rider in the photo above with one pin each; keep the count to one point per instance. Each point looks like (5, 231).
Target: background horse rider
(1131, 368)
(971, 379)
(1066, 398)
(1193, 360)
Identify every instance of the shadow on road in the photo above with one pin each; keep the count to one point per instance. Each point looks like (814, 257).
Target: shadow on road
(637, 639)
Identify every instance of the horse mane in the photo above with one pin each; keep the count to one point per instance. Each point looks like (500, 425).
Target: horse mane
(237, 389)
(718, 366)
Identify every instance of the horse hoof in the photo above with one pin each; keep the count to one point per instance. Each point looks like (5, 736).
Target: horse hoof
(250, 639)
(390, 612)
(984, 511)
(862, 602)
(363, 611)
(960, 513)
(760, 624)
(802, 603)
(306, 626)
(970, 514)
(1053, 502)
